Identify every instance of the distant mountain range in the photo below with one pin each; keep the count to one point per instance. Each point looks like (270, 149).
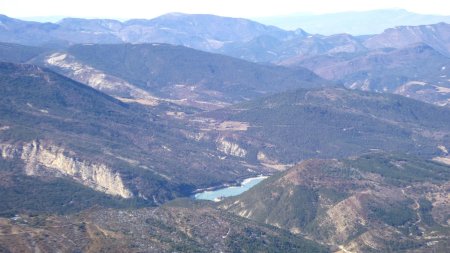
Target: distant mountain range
(418, 71)
(240, 38)
(355, 23)
(342, 58)
(198, 31)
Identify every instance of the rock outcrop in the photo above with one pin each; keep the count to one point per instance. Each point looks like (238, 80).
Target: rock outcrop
(230, 148)
(99, 80)
(41, 158)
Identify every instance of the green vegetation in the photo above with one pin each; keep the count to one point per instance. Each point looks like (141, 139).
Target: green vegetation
(337, 123)
(33, 195)
(289, 206)
(339, 201)
(401, 170)
(427, 218)
(253, 240)
(156, 68)
(333, 195)
(394, 214)
(425, 212)
(18, 53)
(39, 195)
(38, 104)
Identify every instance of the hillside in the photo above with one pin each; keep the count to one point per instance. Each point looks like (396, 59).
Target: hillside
(436, 36)
(16, 53)
(372, 203)
(53, 127)
(200, 31)
(302, 45)
(401, 71)
(183, 75)
(331, 123)
(177, 228)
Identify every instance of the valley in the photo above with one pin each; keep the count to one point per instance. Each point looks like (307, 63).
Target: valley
(203, 133)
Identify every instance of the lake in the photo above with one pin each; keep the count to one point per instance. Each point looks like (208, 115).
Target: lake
(217, 195)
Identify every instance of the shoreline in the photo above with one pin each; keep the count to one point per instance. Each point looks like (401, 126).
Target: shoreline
(237, 182)
(237, 185)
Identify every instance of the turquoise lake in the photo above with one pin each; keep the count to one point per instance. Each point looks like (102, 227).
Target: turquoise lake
(216, 195)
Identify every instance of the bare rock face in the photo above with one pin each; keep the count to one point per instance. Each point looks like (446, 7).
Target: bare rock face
(8, 151)
(346, 217)
(230, 148)
(42, 159)
(99, 80)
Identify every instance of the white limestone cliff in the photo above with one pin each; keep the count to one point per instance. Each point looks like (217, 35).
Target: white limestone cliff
(41, 158)
(230, 148)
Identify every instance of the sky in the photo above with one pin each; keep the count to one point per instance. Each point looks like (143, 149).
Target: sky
(127, 9)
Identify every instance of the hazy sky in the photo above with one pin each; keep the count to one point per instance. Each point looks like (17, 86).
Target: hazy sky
(125, 9)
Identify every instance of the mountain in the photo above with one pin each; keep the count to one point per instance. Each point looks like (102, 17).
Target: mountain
(376, 202)
(200, 31)
(401, 71)
(24, 32)
(239, 38)
(235, 37)
(49, 34)
(55, 128)
(333, 122)
(218, 34)
(206, 32)
(178, 73)
(302, 45)
(170, 228)
(436, 36)
(355, 23)
(10, 52)
(43, 19)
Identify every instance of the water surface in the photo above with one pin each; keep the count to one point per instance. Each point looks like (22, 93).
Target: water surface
(217, 195)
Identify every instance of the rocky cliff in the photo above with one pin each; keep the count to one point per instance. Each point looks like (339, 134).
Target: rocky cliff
(99, 80)
(230, 148)
(41, 158)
